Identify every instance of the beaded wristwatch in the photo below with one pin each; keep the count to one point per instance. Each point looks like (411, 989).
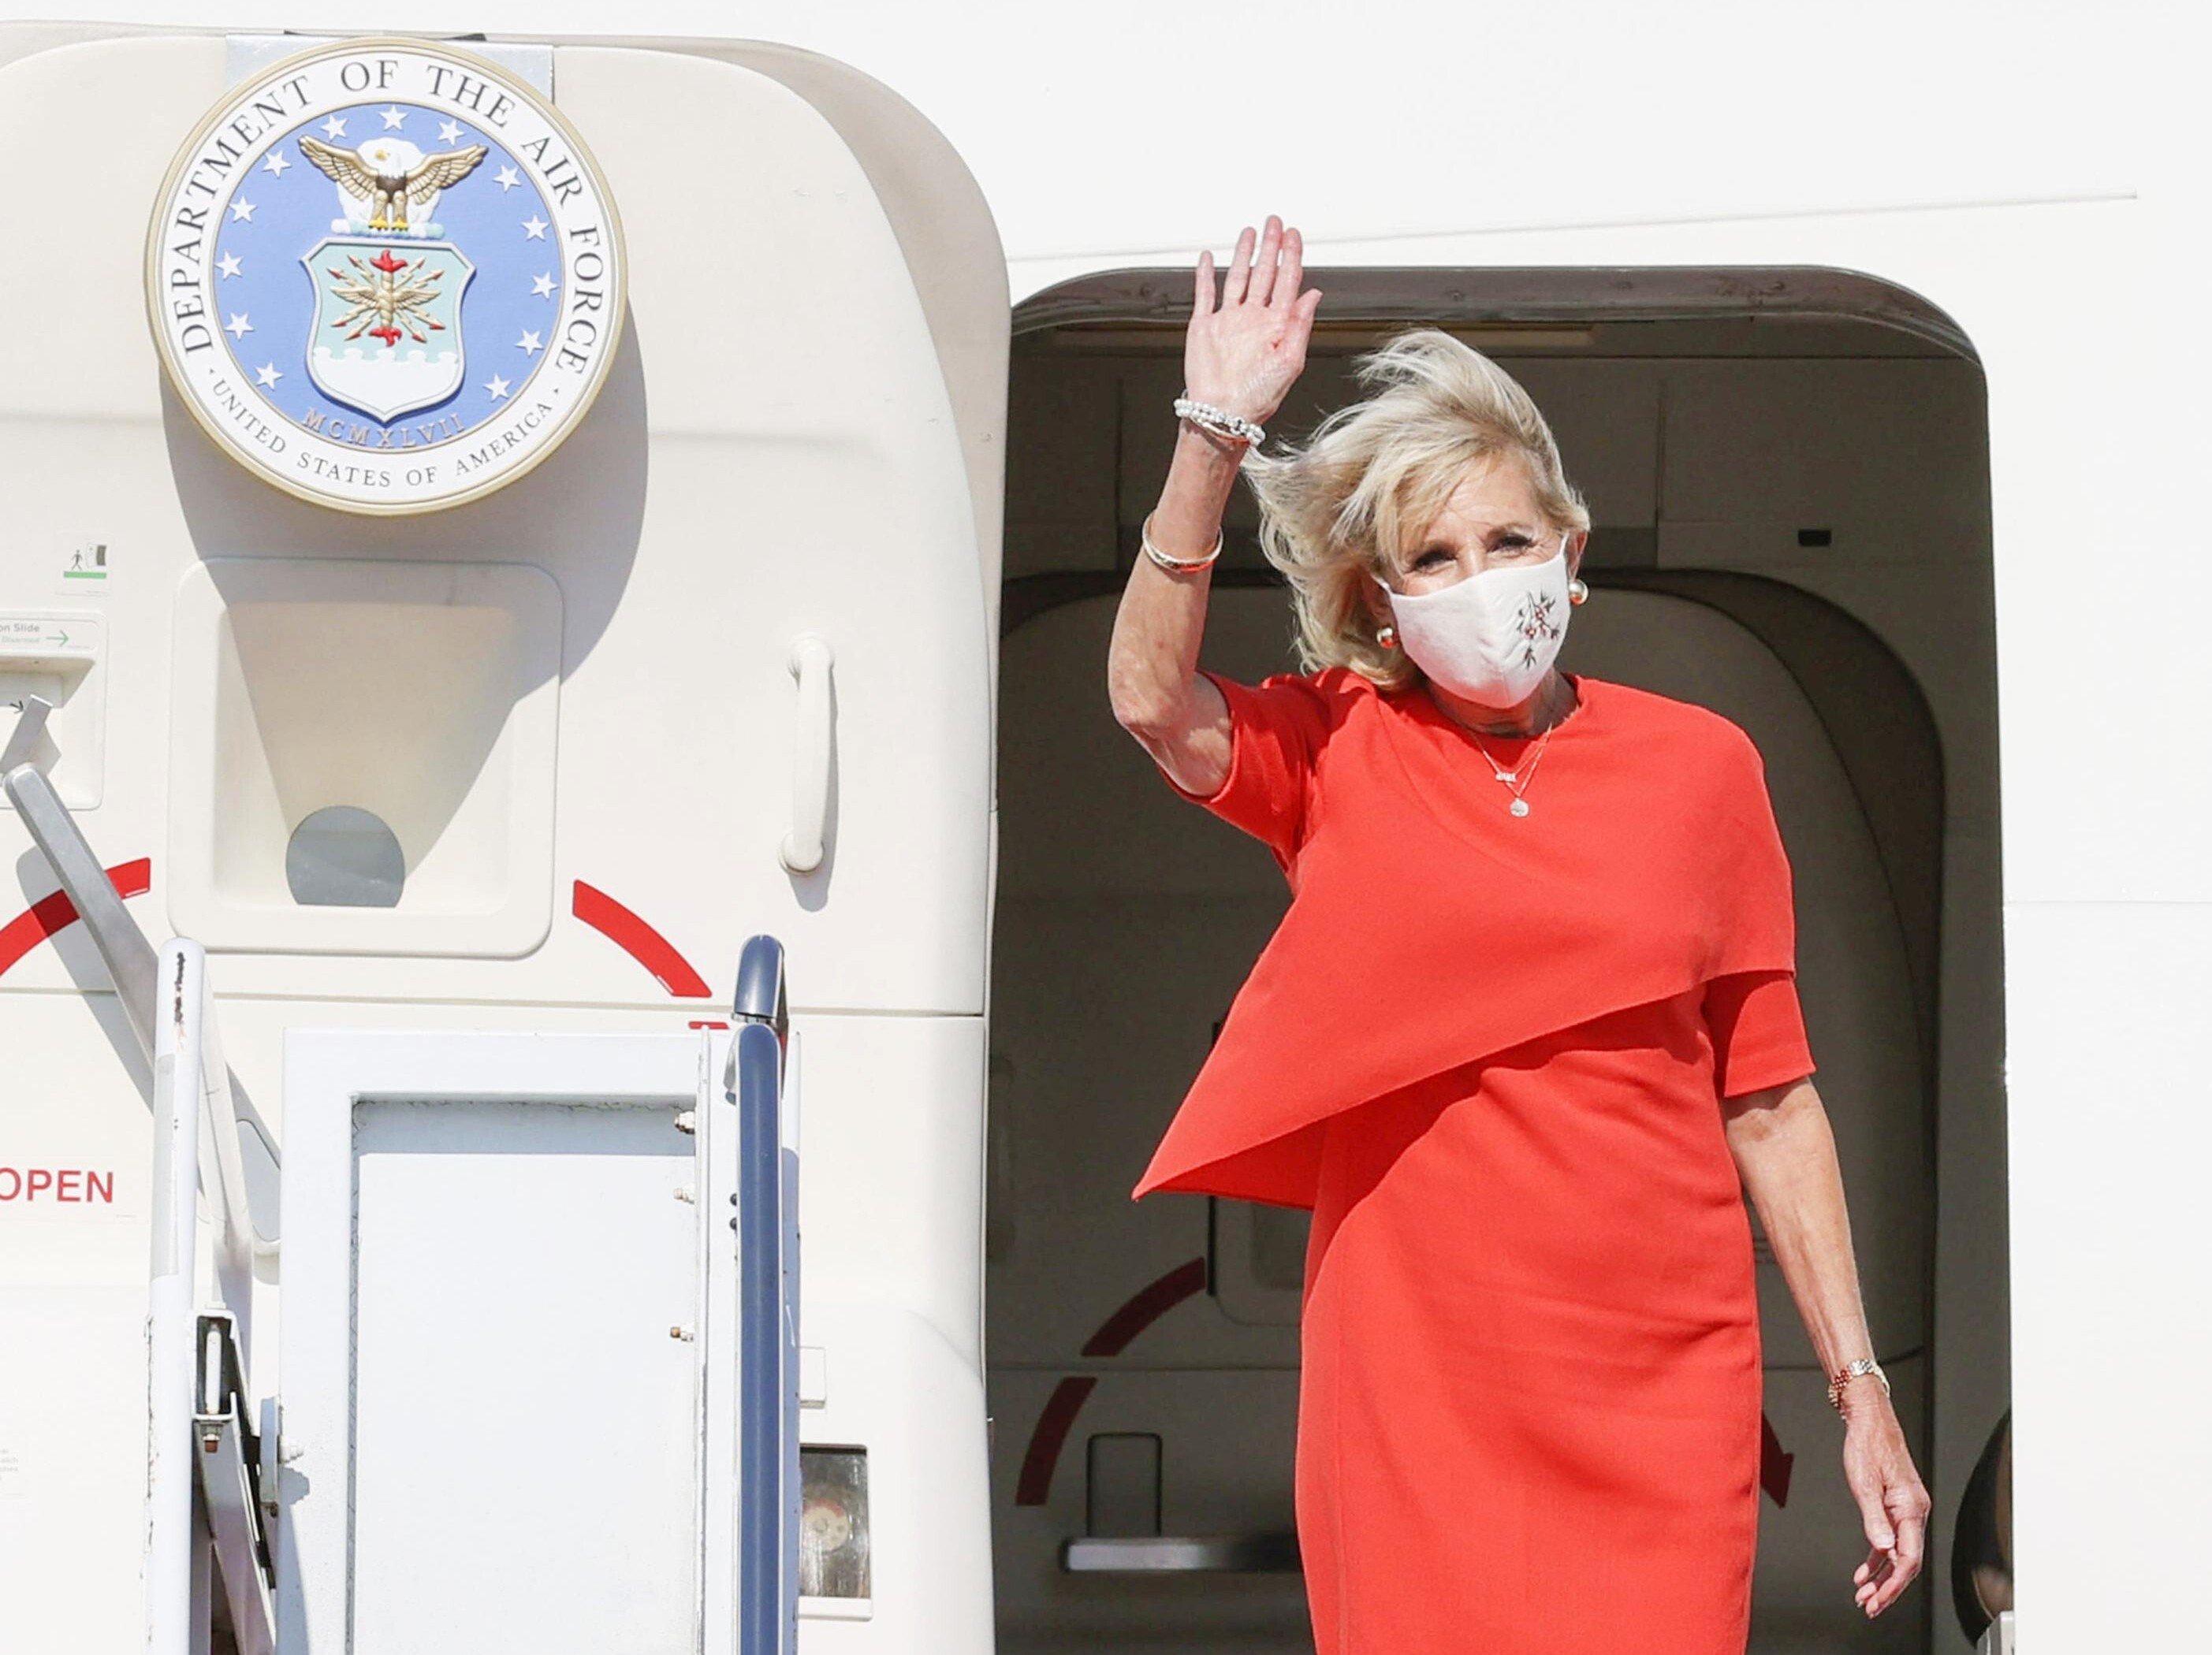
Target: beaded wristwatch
(1850, 1371)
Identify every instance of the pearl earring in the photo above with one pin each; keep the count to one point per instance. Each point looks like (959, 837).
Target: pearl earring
(1387, 636)
(1577, 592)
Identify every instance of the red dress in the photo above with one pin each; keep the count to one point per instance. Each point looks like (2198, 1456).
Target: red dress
(1488, 1052)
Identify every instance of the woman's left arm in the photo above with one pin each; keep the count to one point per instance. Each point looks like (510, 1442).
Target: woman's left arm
(1786, 1153)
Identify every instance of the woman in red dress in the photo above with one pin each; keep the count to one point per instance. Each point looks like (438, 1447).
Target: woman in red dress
(1526, 1035)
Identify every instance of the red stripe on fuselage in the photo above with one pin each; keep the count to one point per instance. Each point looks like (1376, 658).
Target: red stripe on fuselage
(50, 914)
(641, 941)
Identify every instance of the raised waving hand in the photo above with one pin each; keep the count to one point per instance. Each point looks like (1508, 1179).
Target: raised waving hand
(1249, 323)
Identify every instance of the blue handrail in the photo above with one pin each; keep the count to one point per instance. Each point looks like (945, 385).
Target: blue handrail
(768, 1242)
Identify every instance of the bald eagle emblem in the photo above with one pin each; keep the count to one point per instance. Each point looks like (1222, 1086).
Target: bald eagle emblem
(389, 174)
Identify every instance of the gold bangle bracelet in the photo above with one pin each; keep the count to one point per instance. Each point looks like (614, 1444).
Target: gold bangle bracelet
(1179, 565)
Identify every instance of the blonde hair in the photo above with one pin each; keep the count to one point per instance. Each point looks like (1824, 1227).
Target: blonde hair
(1377, 474)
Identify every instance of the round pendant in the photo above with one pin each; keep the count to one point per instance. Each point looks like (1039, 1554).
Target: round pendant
(1519, 807)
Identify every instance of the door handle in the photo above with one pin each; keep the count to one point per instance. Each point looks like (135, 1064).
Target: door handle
(810, 657)
(1217, 1553)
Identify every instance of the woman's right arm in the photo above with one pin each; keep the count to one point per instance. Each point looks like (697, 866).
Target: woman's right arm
(1242, 354)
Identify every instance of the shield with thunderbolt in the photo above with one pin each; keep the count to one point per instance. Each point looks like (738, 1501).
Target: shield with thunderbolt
(386, 334)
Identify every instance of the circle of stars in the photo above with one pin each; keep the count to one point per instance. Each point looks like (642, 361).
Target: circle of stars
(276, 164)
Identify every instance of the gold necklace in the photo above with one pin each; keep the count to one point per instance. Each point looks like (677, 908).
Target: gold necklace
(1513, 779)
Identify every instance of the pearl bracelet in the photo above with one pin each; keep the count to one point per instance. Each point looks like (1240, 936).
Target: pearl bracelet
(1220, 422)
(1174, 564)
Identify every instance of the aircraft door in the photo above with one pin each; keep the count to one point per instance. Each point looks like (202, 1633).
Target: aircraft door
(788, 442)
(717, 661)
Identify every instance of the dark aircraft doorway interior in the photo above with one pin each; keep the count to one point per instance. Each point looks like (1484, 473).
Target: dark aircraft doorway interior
(1789, 475)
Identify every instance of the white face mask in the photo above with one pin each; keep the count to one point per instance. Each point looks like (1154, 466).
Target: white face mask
(1490, 637)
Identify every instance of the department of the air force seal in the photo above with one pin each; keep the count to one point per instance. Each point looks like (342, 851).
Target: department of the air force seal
(386, 276)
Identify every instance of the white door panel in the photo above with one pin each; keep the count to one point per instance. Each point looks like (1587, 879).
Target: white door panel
(776, 451)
